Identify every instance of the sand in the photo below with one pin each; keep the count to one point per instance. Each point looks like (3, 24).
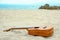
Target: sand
(28, 18)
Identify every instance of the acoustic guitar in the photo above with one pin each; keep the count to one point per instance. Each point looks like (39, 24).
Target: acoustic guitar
(36, 31)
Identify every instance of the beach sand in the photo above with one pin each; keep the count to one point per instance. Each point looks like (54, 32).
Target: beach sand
(28, 18)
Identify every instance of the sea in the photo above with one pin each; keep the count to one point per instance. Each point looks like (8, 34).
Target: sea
(11, 6)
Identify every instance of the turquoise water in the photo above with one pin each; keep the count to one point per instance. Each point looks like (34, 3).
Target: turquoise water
(10, 6)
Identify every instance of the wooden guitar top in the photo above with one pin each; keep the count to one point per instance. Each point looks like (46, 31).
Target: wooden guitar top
(48, 31)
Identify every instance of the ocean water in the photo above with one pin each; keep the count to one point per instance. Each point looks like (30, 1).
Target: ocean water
(11, 6)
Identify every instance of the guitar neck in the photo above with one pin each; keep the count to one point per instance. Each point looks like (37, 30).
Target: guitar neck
(15, 29)
(18, 28)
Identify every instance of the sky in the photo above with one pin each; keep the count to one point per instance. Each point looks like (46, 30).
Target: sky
(30, 2)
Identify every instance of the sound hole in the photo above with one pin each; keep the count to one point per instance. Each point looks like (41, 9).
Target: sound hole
(36, 27)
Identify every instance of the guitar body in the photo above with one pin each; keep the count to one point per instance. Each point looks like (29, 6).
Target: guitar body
(41, 32)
